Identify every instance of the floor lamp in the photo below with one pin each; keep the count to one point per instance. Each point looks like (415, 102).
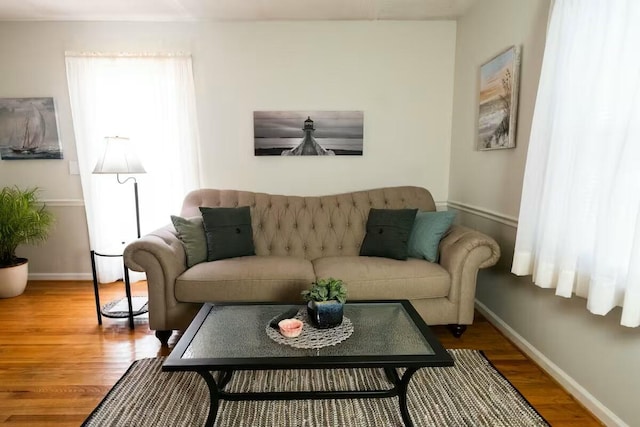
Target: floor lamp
(118, 157)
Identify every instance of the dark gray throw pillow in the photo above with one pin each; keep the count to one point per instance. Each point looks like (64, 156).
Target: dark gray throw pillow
(228, 231)
(388, 232)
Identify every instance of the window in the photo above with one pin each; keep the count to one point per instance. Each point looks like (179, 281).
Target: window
(151, 100)
(579, 227)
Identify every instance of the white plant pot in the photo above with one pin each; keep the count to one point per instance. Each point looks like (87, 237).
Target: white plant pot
(13, 280)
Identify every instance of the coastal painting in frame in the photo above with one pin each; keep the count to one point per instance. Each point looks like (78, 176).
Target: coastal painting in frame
(308, 133)
(499, 100)
(28, 129)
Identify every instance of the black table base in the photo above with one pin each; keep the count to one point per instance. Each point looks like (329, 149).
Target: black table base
(217, 393)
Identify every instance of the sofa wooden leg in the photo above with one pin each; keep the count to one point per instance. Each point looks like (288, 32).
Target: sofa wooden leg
(164, 336)
(457, 330)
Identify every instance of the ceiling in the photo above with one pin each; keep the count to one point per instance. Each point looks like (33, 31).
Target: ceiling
(229, 10)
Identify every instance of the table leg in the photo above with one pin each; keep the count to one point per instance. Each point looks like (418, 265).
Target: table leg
(214, 398)
(127, 288)
(402, 396)
(225, 378)
(392, 375)
(95, 286)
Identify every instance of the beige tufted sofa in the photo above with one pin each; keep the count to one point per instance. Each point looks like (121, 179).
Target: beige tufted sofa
(299, 239)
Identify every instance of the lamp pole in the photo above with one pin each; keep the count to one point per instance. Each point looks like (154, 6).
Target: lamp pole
(135, 192)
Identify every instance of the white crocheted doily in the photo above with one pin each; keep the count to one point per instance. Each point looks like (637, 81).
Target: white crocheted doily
(312, 337)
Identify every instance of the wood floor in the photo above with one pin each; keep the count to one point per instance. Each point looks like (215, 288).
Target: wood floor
(56, 363)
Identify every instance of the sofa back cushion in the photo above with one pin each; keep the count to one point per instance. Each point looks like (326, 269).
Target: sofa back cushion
(309, 227)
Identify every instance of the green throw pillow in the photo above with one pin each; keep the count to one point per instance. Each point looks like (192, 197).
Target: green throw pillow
(228, 231)
(428, 229)
(191, 233)
(388, 233)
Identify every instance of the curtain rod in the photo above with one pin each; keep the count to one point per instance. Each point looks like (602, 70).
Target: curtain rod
(127, 54)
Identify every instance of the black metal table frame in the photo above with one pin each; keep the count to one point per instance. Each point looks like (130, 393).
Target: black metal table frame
(217, 393)
(227, 366)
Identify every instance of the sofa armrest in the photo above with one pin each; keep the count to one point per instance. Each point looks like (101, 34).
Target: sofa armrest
(161, 256)
(463, 252)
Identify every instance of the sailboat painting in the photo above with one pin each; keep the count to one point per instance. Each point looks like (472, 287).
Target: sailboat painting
(28, 129)
(308, 133)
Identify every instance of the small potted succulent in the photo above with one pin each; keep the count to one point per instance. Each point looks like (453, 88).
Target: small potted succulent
(326, 300)
(23, 219)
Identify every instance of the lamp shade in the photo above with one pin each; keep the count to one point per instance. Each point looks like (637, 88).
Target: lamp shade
(119, 156)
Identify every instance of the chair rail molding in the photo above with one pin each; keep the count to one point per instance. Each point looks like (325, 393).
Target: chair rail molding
(485, 213)
(63, 202)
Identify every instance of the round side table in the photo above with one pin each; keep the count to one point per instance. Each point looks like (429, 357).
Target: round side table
(107, 309)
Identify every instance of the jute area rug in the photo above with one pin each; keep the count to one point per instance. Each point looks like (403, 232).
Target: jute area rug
(471, 393)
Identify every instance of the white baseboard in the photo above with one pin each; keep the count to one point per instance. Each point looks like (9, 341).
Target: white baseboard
(596, 407)
(60, 276)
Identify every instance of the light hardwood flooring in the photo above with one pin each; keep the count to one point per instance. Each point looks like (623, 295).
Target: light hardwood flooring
(56, 363)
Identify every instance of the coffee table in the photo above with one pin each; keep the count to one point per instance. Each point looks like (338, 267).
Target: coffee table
(229, 337)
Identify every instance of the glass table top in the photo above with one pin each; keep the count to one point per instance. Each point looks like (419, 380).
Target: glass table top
(234, 335)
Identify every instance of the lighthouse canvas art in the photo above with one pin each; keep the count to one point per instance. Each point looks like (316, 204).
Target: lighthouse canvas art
(308, 133)
(28, 129)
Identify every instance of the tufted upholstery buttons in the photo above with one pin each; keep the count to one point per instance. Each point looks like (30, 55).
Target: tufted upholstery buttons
(339, 221)
(380, 231)
(286, 248)
(238, 230)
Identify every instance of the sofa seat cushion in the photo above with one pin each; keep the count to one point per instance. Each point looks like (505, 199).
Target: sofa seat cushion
(250, 278)
(384, 278)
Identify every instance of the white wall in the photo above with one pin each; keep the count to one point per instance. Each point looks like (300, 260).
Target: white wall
(399, 73)
(592, 356)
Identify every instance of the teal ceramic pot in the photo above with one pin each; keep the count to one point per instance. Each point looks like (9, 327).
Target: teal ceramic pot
(325, 314)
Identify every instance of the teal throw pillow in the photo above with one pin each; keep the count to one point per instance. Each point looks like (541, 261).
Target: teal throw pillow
(428, 229)
(228, 232)
(388, 233)
(191, 233)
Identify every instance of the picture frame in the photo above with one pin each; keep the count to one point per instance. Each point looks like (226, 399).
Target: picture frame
(498, 100)
(308, 133)
(29, 129)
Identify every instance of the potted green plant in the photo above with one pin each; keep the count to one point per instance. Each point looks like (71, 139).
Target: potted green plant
(325, 302)
(23, 220)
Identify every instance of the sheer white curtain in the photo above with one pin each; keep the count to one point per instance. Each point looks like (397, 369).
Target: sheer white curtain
(579, 225)
(150, 99)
